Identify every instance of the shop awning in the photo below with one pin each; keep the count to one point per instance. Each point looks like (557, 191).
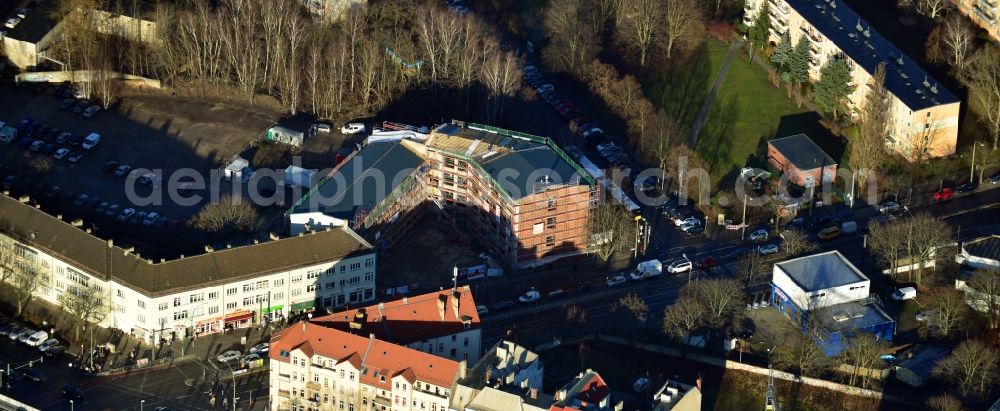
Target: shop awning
(269, 309)
(305, 305)
(239, 316)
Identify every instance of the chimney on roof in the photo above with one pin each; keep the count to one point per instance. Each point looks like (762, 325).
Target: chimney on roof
(371, 336)
(560, 394)
(111, 243)
(489, 374)
(304, 324)
(442, 301)
(697, 382)
(77, 223)
(59, 216)
(256, 241)
(404, 300)
(162, 260)
(229, 245)
(24, 199)
(208, 248)
(533, 393)
(463, 369)
(87, 230)
(455, 300)
(273, 236)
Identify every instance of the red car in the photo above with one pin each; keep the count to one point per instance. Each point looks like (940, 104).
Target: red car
(705, 263)
(944, 194)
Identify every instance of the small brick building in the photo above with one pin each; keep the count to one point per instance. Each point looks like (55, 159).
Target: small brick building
(799, 158)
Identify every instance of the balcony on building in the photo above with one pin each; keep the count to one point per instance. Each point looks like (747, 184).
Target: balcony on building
(778, 5)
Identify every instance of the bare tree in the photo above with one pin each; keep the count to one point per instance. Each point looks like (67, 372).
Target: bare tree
(576, 314)
(983, 292)
(683, 318)
(612, 229)
(228, 213)
(946, 313)
(799, 354)
(642, 26)
(863, 354)
(29, 274)
(84, 305)
(982, 78)
(972, 366)
(944, 402)
(635, 305)
(8, 257)
(796, 242)
(910, 244)
(932, 8)
(571, 44)
(684, 19)
(751, 269)
(501, 75)
(720, 298)
(657, 140)
(874, 124)
(957, 38)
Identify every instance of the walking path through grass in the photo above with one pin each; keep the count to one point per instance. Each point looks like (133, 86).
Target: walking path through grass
(719, 78)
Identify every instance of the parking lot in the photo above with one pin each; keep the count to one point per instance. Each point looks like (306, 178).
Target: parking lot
(156, 132)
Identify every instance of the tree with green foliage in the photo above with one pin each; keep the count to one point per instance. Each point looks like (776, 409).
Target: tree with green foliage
(782, 53)
(798, 62)
(758, 32)
(833, 86)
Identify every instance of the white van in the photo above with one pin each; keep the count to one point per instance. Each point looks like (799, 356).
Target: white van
(905, 293)
(91, 141)
(37, 338)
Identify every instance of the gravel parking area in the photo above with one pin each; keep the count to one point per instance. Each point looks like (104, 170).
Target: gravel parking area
(157, 132)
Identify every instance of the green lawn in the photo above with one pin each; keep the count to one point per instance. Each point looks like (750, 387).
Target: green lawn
(746, 112)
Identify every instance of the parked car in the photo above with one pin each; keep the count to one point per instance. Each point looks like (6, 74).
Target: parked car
(768, 249)
(91, 111)
(123, 170)
(994, 179)
(889, 207)
(37, 145)
(760, 234)
(112, 210)
(829, 233)
(101, 208)
(150, 218)
(352, 128)
(924, 315)
(705, 263)
(968, 187)
(74, 157)
(259, 348)
(616, 280)
(64, 137)
(944, 194)
(16, 336)
(905, 293)
(109, 166)
(546, 87)
(692, 229)
(323, 128)
(81, 200)
(52, 191)
(482, 309)
(681, 221)
(126, 214)
(66, 103)
(530, 297)
(80, 106)
(228, 356)
(249, 359)
(49, 343)
(502, 304)
(60, 153)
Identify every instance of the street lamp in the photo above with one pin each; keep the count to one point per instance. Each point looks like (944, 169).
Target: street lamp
(142, 403)
(972, 165)
(233, 378)
(70, 405)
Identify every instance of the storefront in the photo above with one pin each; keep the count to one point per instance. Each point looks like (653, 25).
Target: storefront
(302, 306)
(273, 313)
(239, 319)
(208, 326)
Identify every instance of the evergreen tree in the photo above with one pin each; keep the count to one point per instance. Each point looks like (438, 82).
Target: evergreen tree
(798, 61)
(832, 87)
(758, 33)
(782, 53)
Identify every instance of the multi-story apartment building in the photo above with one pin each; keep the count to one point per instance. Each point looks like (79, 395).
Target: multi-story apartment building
(319, 368)
(332, 10)
(228, 288)
(586, 392)
(507, 378)
(444, 323)
(519, 195)
(985, 13)
(925, 113)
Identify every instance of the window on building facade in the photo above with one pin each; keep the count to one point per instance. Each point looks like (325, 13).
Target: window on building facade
(230, 306)
(213, 309)
(141, 304)
(310, 288)
(248, 301)
(296, 278)
(180, 315)
(550, 222)
(121, 294)
(296, 291)
(313, 274)
(355, 266)
(551, 203)
(231, 291)
(355, 280)
(197, 297)
(177, 301)
(163, 306)
(141, 318)
(277, 296)
(213, 295)
(369, 277)
(279, 282)
(550, 241)
(249, 287)
(369, 293)
(120, 307)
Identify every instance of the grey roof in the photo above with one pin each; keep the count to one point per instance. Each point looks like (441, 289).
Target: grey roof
(821, 271)
(521, 165)
(852, 315)
(102, 260)
(840, 25)
(802, 152)
(361, 182)
(923, 361)
(36, 24)
(985, 247)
